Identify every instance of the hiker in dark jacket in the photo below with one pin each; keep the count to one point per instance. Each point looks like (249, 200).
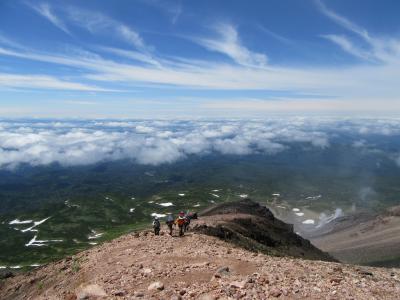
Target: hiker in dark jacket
(156, 226)
(187, 223)
(170, 223)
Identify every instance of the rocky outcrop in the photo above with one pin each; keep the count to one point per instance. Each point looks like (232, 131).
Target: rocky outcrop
(252, 226)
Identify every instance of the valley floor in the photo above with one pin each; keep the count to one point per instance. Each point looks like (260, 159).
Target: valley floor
(144, 266)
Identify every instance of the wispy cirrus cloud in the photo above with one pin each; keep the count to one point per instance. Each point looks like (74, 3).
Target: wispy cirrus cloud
(94, 22)
(174, 9)
(141, 65)
(276, 36)
(374, 49)
(43, 82)
(356, 81)
(99, 23)
(342, 21)
(348, 46)
(45, 10)
(228, 43)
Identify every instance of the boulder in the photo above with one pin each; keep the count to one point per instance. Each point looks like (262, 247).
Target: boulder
(156, 286)
(275, 293)
(92, 290)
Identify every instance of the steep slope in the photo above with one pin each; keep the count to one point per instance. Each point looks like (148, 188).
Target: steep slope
(198, 266)
(252, 226)
(363, 239)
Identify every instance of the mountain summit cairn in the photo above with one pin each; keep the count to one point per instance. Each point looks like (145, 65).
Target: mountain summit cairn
(225, 256)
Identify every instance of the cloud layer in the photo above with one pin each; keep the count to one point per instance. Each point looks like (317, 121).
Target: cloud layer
(155, 142)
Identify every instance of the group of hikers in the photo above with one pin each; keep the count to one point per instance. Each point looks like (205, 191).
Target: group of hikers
(183, 222)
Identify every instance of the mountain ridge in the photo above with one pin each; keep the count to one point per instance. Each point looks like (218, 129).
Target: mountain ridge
(140, 265)
(253, 226)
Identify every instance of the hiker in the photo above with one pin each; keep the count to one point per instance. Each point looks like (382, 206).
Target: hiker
(170, 223)
(187, 222)
(156, 226)
(180, 221)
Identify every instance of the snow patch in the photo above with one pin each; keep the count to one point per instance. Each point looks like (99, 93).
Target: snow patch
(215, 195)
(243, 195)
(95, 235)
(35, 224)
(280, 206)
(17, 221)
(313, 197)
(181, 195)
(300, 214)
(158, 215)
(93, 243)
(196, 205)
(309, 222)
(166, 204)
(68, 204)
(39, 243)
(276, 195)
(296, 209)
(131, 210)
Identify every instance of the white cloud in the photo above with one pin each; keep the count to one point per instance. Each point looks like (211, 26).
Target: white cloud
(173, 8)
(350, 88)
(348, 46)
(94, 22)
(101, 24)
(342, 21)
(42, 82)
(135, 56)
(45, 11)
(377, 49)
(276, 36)
(228, 43)
(80, 143)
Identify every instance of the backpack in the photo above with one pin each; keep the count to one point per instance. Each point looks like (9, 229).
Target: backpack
(180, 221)
(156, 224)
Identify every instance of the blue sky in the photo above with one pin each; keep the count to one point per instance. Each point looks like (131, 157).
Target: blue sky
(177, 59)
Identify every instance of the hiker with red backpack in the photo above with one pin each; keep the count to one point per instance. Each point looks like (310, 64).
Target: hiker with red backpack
(180, 221)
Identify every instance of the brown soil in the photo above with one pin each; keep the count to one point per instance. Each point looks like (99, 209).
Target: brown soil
(190, 268)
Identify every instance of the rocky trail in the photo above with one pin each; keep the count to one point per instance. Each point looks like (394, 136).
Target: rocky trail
(196, 266)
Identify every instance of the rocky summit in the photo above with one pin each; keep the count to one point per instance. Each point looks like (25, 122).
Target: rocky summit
(229, 253)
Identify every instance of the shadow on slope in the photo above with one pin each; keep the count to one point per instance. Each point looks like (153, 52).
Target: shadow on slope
(249, 225)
